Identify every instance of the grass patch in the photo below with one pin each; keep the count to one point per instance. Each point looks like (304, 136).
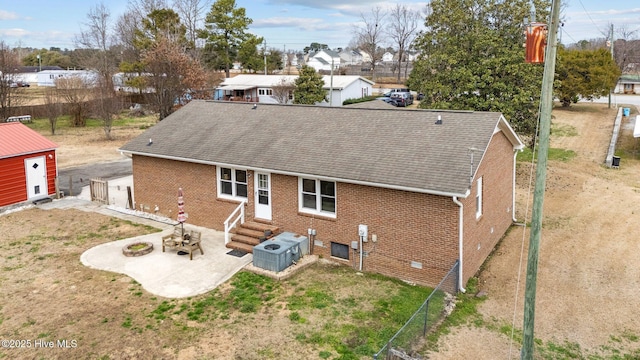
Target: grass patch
(136, 247)
(160, 312)
(465, 312)
(127, 323)
(349, 328)
(563, 130)
(554, 154)
(124, 120)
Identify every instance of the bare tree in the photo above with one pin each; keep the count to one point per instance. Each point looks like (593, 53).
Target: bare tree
(97, 38)
(370, 34)
(129, 22)
(125, 34)
(106, 105)
(141, 8)
(626, 49)
(9, 93)
(403, 30)
(192, 13)
(172, 74)
(52, 107)
(74, 91)
(283, 91)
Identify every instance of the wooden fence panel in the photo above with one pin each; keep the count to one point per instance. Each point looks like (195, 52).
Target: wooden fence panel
(99, 190)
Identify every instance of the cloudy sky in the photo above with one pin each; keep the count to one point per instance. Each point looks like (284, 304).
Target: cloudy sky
(285, 24)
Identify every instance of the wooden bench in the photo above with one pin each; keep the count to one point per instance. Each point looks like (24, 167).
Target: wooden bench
(189, 242)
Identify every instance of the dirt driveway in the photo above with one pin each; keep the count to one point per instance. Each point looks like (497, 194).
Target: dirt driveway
(588, 277)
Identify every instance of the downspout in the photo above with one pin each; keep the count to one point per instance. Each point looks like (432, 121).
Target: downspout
(460, 240)
(513, 189)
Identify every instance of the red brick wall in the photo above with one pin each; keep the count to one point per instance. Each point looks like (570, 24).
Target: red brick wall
(156, 182)
(410, 227)
(482, 234)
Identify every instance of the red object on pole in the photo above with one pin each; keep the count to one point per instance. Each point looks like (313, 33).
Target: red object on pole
(536, 41)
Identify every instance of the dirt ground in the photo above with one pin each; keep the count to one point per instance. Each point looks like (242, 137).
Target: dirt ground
(588, 274)
(587, 284)
(80, 146)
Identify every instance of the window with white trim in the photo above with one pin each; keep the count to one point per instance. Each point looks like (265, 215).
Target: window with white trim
(232, 183)
(317, 196)
(265, 91)
(478, 197)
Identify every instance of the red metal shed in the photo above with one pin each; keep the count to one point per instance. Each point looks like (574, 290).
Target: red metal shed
(28, 164)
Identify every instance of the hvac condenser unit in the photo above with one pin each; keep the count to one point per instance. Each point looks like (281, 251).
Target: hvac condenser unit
(275, 255)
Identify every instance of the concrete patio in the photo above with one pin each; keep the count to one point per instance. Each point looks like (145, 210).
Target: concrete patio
(168, 274)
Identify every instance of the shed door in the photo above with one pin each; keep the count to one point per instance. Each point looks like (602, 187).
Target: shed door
(36, 170)
(263, 196)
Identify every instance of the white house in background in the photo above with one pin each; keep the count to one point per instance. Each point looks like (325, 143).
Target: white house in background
(366, 58)
(29, 74)
(121, 79)
(259, 88)
(351, 57)
(345, 87)
(251, 87)
(49, 77)
(388, 57)
(628, 84)
(324, 60)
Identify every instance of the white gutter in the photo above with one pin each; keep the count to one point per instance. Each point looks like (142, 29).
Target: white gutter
(513, 187)
(460, 240)
(291, 173)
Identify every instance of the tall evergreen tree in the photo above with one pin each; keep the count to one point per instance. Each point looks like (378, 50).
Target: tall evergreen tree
(225, 29)
(309, 87)
(472, 58)
(248, 54)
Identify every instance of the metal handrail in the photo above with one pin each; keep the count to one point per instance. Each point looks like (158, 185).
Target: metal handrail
(228, 226)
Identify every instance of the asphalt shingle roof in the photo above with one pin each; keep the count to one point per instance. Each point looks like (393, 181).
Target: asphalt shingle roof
(393, 148)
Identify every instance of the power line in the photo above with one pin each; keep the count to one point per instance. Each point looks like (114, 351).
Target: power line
(589, 15)
(569, 35)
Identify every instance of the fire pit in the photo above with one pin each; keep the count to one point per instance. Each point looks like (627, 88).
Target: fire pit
(137, 249)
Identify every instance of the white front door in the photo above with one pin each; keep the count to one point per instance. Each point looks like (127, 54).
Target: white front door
(263, 196)
(36, 170)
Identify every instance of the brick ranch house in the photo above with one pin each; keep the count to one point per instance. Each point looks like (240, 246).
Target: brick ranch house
(432, 187)
(28, 164)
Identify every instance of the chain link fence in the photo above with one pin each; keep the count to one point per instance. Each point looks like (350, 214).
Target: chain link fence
(438, 304)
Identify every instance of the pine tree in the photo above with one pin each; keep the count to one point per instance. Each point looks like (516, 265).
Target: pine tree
(309, 87)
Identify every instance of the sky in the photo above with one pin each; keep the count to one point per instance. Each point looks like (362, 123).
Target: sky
(285, 24)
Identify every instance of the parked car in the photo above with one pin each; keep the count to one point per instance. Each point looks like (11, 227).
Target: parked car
(23, 84)
(420, 96)
(402, 99)
(393, 91)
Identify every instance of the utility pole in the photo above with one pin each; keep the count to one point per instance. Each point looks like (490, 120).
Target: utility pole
(264, 52)
(611, 47)
(331, 85)
(546, 105)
